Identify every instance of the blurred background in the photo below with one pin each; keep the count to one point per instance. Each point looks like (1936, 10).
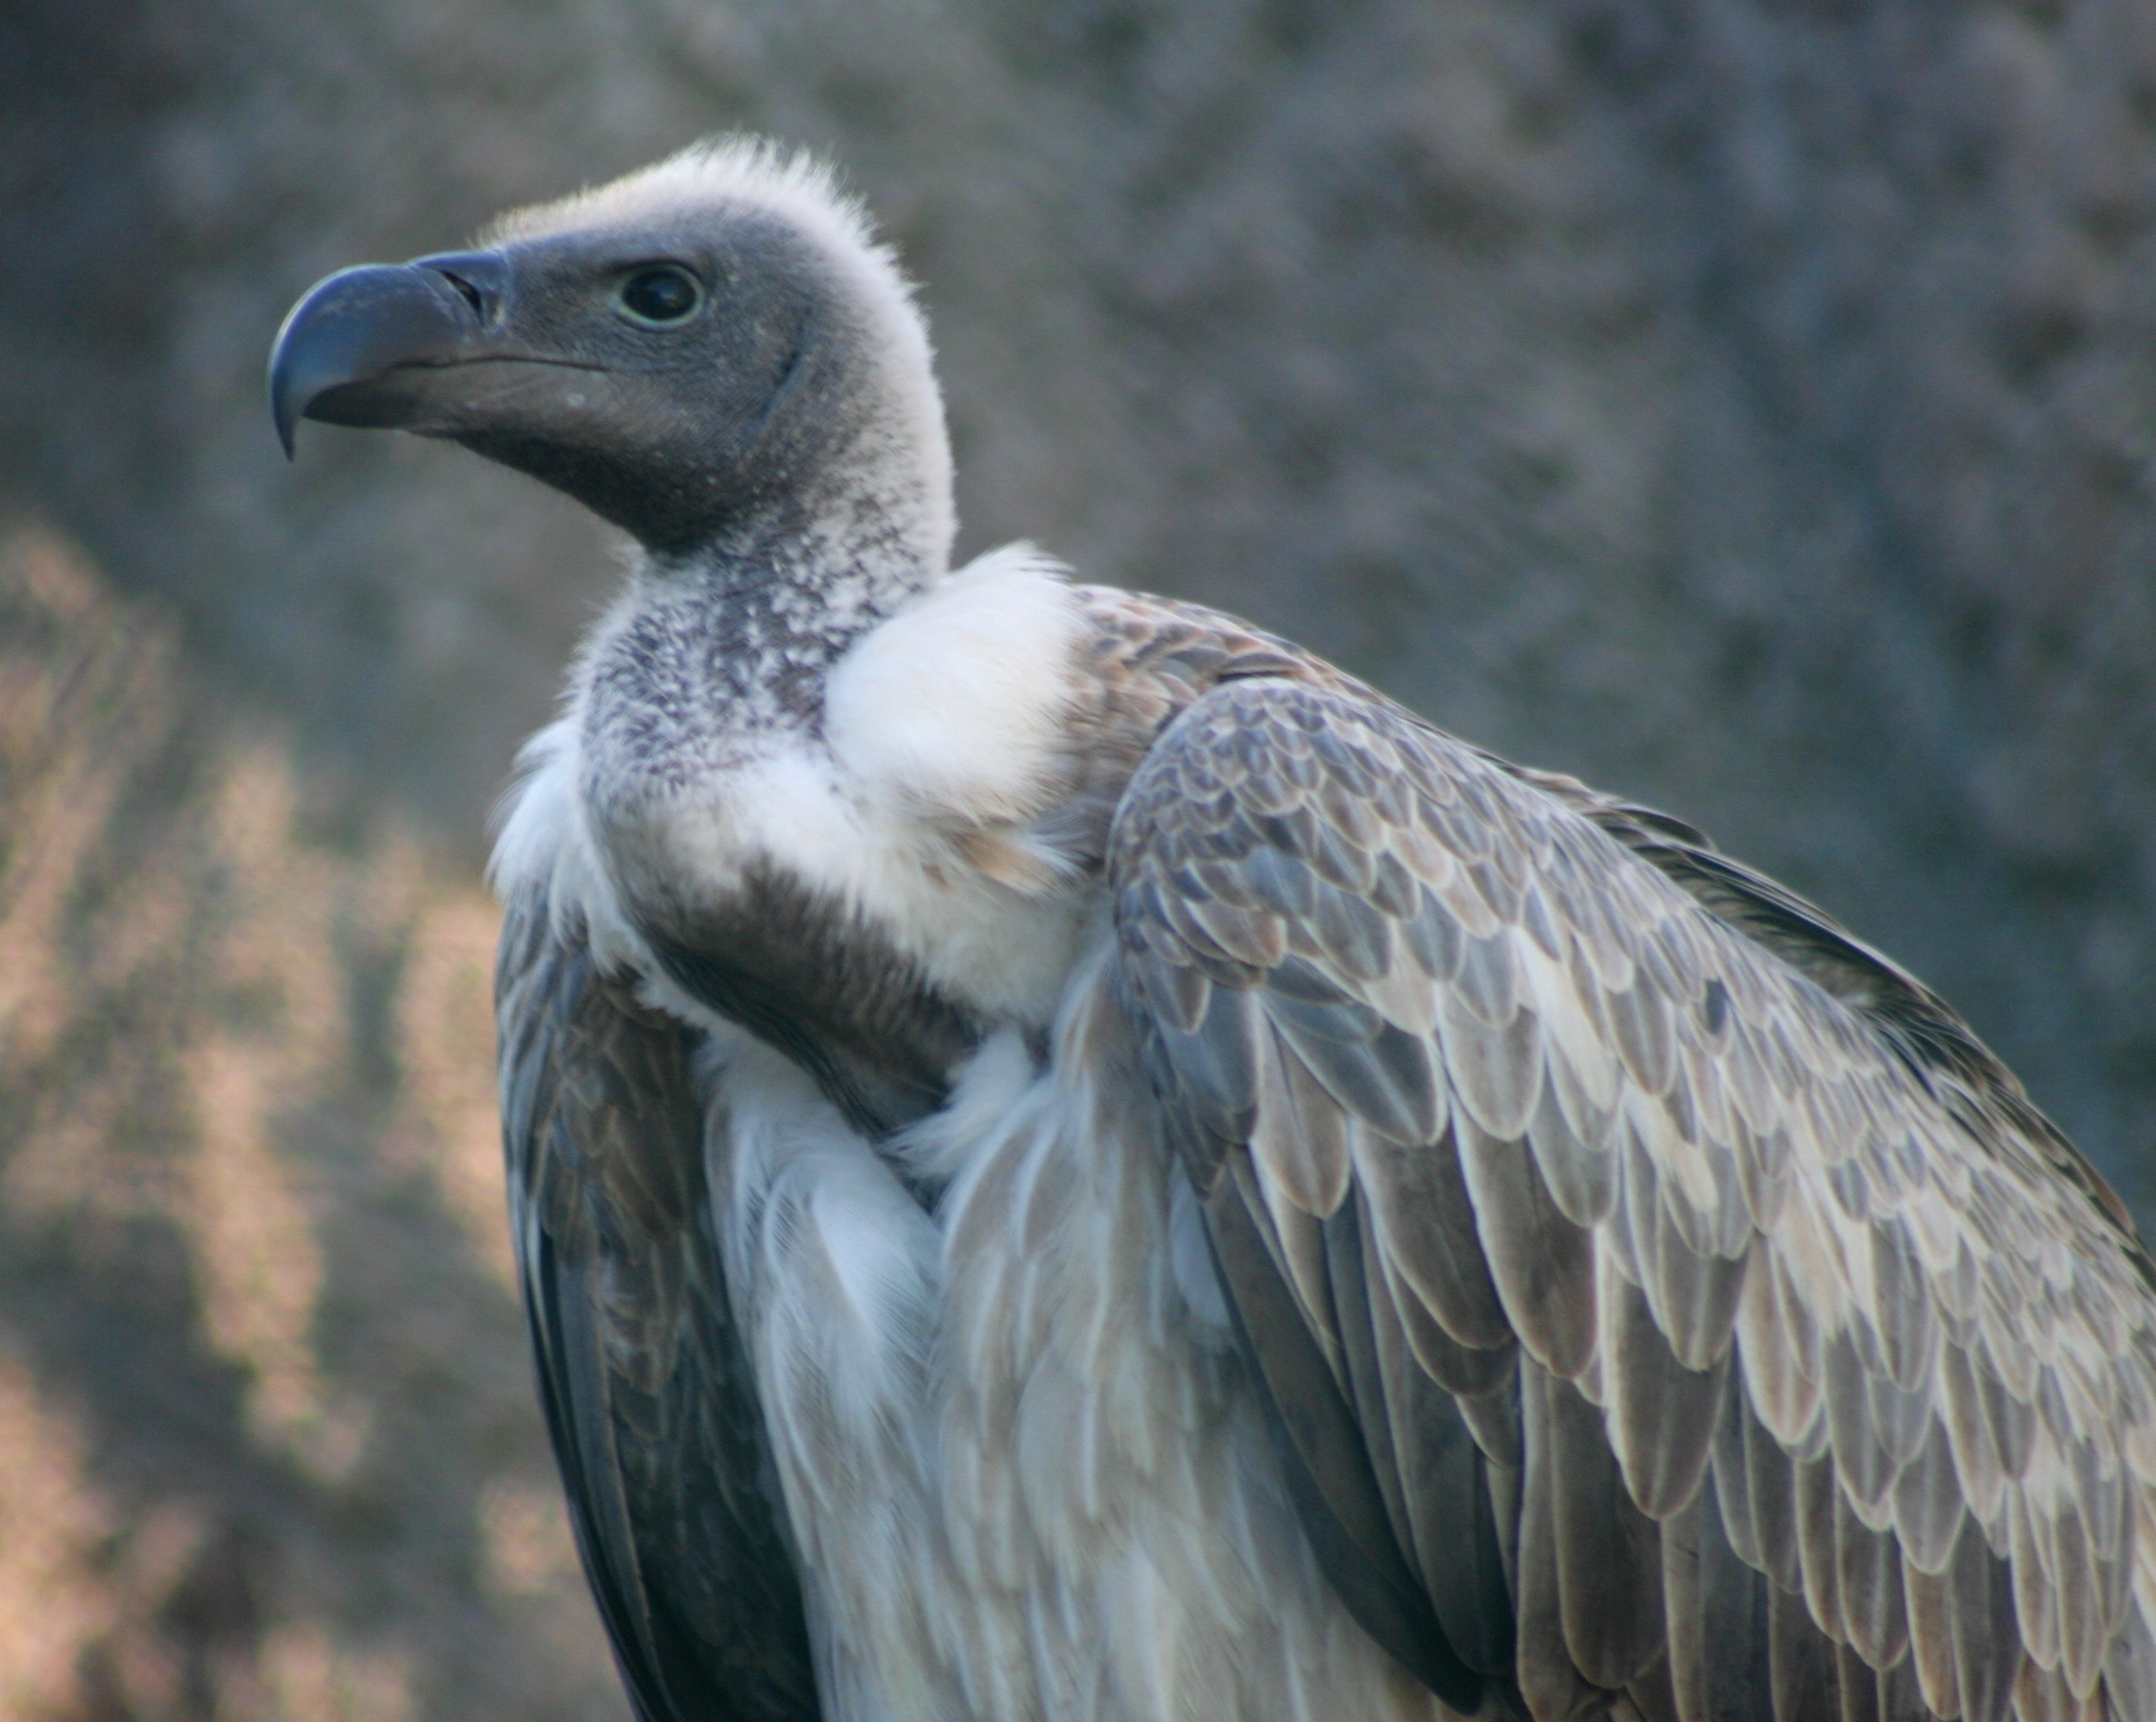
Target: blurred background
(1746, 404)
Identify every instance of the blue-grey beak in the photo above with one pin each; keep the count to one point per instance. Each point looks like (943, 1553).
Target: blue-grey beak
(358, 347)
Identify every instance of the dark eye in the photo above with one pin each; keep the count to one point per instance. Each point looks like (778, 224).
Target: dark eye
(663, 294)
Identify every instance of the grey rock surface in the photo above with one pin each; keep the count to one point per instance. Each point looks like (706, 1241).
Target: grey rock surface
(1747, 406)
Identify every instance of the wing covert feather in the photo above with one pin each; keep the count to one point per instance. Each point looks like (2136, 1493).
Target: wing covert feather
(647, 1391)
(1815, 1371)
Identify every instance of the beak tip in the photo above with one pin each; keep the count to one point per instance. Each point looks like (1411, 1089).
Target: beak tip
(285, 410)
(353, 328)
(288, 393)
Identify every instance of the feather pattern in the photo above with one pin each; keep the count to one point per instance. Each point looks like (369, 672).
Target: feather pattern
(1825, 1359)
(647, 1388)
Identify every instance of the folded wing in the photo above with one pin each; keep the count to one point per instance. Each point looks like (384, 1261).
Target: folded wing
(647, 1391)
(1657, 1293)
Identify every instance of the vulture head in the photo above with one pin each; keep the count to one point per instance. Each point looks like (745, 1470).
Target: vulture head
(708, 352)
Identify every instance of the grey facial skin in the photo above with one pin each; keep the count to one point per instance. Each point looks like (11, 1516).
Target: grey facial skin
(681, 430)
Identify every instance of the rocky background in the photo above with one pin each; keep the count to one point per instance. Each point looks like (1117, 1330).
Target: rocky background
(1747, 404)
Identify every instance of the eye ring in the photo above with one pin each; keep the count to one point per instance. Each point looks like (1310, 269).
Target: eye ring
(660, 296)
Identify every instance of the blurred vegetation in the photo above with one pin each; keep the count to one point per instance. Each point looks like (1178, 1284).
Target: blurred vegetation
(266, 1440)
(1747, 404)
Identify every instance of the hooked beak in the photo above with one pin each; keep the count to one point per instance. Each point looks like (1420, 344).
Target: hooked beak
(363, 347)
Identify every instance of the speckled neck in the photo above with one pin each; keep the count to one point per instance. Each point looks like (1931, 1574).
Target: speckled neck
(778, 598)
(715, 657)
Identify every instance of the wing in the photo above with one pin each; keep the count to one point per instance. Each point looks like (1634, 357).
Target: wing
(1657, 1293)
(648, 1393)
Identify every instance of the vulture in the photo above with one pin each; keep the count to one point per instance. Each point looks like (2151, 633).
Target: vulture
(1071, 1162)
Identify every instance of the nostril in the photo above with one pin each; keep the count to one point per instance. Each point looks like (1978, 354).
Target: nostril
(471, 293)
(481, 279)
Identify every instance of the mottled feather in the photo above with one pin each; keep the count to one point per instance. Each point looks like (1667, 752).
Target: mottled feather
(1808, 1296)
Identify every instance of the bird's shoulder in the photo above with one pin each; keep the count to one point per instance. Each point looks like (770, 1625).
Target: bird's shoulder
(999, 716)
(1514, 811)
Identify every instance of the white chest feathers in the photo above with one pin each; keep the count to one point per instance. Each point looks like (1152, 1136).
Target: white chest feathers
(954, 712)
(942, 733)
(1027, 1478)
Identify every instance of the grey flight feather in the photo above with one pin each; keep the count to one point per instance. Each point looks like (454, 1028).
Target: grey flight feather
(647, 1391)
(1830, 1366)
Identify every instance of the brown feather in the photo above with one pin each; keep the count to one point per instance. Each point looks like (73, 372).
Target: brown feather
(1927, 1503)
(1861, 1457)
(1931, 1636)
(1542, 1264)
(1496, 1071)
(2040, 1695)
(1653, 1691)
(1902, 1307)
(1299, 1138)
(1771, 1474)
(1580, 1175)
(1806, 1676)
(1781, 1368)
(1684, 1603)
(1661, 1415)
(1976, 1456)
(1608, 1552)
(2035, 1592)
(2129, 1666)
(1428, 1234)
(1817, 1502)
(1980, 1619)
(1868, 1576)
(1549, 1678)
